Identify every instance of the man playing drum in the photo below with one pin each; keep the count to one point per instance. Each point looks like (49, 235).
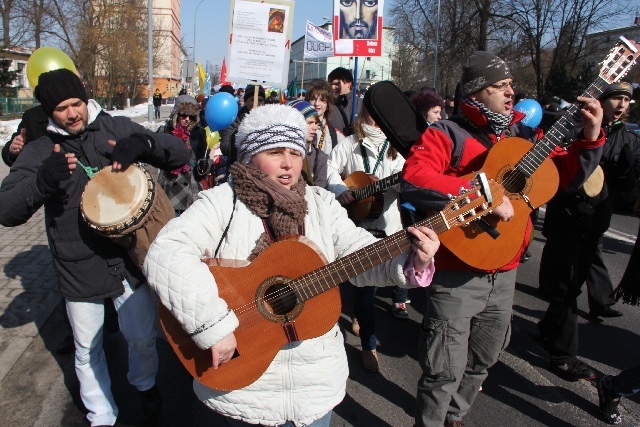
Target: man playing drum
(53, 171)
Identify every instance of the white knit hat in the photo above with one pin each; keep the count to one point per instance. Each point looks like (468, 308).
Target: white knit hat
(271, 126)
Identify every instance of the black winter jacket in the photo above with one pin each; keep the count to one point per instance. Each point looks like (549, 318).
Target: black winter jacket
(90, 267)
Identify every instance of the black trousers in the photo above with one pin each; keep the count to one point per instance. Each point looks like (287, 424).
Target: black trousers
(565, 265)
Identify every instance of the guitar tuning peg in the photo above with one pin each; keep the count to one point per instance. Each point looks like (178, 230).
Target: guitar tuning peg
(463, 190)
(450, 196)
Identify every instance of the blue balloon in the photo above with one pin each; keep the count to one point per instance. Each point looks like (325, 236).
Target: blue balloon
(221, 110)
(533, 112)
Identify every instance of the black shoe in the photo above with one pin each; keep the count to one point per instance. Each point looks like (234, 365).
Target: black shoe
(151, 404)
(572, 370)
(608, 401)
(606, 311)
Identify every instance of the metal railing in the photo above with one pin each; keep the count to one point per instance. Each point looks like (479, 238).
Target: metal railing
(15, 106)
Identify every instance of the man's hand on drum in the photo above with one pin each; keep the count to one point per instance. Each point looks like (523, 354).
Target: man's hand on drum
(56, 168)
(130, 149)
(223, 350)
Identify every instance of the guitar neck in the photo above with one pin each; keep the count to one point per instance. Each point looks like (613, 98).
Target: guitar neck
(376, 187)
(364, 259)
(561, 128)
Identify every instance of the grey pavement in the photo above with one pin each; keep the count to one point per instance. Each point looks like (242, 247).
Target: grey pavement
(38, 386)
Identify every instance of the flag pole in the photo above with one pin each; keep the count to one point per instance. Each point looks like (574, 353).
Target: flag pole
(302, 81)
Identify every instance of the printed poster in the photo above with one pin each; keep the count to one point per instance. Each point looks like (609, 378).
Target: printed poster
(260, 41)
(357, 27)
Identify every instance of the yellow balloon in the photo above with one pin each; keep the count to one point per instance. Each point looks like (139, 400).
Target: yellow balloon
(215, 136)
(45, 59)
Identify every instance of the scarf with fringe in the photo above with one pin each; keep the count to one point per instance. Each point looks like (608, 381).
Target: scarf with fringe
(283, 209)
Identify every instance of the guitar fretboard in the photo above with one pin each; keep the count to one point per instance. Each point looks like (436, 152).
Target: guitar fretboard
(376, 187)
(331, 275)
(561, 128)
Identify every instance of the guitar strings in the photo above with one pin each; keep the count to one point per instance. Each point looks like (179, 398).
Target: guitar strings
(572, 110)
(313, 279)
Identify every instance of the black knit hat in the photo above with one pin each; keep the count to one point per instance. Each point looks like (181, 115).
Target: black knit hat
(481, 70)
(57, 86)
(249, 91)
(621, 88)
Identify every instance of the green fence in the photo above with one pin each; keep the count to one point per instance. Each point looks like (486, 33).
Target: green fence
(15, 106)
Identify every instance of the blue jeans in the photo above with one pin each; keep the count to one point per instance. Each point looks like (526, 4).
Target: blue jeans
(136, 316)
(364, 312)
(325, 421)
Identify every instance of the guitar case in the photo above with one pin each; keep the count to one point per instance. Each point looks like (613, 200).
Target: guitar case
(395, 115)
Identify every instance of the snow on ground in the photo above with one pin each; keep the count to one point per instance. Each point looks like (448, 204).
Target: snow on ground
(9, 127)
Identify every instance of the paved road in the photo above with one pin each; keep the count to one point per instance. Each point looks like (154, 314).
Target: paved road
(38, 386)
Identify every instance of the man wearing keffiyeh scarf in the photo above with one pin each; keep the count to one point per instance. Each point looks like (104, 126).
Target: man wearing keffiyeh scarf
(467, 320)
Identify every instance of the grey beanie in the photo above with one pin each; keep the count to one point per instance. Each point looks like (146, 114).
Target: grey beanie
(481, 70)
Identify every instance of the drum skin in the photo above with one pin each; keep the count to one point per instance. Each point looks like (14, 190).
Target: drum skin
(113, 201)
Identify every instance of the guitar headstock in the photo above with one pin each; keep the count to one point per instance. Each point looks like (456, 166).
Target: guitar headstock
(473, 204)
(620, 60)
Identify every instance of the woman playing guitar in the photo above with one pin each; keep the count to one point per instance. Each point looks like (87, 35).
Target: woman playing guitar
(267, 200)
(368, 150)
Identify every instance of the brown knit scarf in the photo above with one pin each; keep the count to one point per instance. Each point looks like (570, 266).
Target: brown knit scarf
(284, 209)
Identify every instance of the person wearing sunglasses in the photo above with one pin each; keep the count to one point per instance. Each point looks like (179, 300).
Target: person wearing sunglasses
(182, 185)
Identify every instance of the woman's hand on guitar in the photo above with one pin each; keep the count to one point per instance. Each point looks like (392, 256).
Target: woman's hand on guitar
(223, 350)
(346, 198)
(505, 210)
(425, 245)
(591, 117)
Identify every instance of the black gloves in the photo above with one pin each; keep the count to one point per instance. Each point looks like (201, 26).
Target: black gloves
(132, 148)
(52, 172)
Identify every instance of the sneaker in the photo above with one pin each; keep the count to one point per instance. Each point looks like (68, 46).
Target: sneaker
(355, 327)
(572, 370)
(370, 360)
(399, 310)
(608, 401)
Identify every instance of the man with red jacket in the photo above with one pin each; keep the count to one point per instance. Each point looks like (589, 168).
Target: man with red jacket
(467, 322)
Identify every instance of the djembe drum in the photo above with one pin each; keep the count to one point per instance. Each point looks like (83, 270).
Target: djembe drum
(127, 207)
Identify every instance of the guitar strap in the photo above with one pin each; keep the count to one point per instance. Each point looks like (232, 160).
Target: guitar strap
(226, 230)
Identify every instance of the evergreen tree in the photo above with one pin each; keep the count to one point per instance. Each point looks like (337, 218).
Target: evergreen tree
(6, 77)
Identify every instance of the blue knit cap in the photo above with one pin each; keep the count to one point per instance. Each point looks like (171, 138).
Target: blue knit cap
(304, 107)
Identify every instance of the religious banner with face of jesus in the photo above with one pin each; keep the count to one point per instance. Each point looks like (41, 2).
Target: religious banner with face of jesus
(357, 27)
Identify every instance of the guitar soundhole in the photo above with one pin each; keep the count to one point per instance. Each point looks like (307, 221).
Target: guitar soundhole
(280, 299)
(514, 181)
(277, 301)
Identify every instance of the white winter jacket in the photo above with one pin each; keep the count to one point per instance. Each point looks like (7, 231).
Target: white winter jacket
(306, 379)
(346, 158)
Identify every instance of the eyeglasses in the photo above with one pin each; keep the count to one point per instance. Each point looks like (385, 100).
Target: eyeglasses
(502, 87)
(183, 116)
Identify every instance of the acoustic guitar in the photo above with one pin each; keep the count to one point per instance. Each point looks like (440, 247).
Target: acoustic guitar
(368, 192)
(279, 302)
(528, 176)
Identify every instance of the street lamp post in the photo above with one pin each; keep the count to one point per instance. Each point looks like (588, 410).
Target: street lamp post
(150, 58)
(193, 56)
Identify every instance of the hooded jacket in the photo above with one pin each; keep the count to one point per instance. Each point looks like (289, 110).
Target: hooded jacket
(307, 378)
